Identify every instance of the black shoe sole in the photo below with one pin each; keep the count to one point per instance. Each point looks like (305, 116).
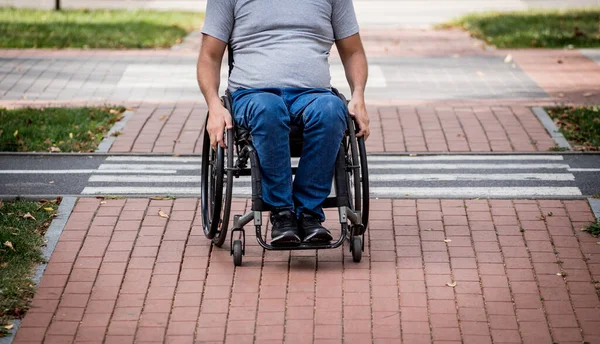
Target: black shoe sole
(318, 237)
(286, 240)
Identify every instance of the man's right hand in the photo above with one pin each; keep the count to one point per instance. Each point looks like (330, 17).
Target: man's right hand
(218, 120)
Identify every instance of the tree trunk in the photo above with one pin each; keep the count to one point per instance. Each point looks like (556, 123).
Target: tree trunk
(57, 5)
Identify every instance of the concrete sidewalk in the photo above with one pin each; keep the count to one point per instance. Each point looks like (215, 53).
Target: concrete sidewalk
(406, 67)
(523, 273)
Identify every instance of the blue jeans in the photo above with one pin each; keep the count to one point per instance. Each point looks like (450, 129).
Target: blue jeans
(268, 114)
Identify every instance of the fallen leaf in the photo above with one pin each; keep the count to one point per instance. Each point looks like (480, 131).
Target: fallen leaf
(70, 135)
(588, 94)
(428, 229)
(3, 265)
(16, 133)
(559, 61)
(54, 149)
(9, 245)
(162, 214)
(28, 216)
(9, 327)
(113, 111)
(447, 240)
(164, 117)
(1, 204)
(51, 182)
(451, 284)
(508, 58)
(102, 202)
(413, 154)
(43, 203)
(49, 209)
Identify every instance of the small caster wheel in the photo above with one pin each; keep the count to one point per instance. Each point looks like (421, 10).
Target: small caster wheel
(356, 248)
(237, 252)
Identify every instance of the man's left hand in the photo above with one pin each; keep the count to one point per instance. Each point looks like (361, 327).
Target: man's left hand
(358, 110)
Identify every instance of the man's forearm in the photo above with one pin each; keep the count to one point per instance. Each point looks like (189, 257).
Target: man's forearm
(356, 68)
(209, 78)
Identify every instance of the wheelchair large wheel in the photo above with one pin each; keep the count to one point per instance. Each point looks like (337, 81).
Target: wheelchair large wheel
(358, 178)
(216, 188)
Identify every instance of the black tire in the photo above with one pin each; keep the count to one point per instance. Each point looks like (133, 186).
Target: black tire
(221, 233)
(237, 252)
(364, 180)
(211, 191)
(216, 189)
(356, 248)
(358, 180)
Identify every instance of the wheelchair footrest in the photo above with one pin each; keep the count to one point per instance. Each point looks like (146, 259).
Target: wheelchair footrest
(302, 246)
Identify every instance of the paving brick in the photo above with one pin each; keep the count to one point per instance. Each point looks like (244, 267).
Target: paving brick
(169, 290)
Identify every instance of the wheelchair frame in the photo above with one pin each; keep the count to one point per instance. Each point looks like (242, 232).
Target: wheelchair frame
(219, 168)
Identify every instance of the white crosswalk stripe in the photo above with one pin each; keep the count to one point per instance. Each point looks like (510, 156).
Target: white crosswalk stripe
(428, 176)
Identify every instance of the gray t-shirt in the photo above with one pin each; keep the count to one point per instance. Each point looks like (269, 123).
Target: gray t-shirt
(280, 43)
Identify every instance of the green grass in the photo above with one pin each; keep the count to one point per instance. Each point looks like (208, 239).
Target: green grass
(27, 28)
(593, 228)
(534, 29)
(579, 125)
(25, 236)
(55, 129)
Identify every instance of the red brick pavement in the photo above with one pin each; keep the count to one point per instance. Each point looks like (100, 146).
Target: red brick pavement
(419, 42)
(177, 129)
(567, 75)
(523, 273)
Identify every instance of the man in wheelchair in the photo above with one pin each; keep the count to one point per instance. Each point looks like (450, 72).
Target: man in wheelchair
(280, 77)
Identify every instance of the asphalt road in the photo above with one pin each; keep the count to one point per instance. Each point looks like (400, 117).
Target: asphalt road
(391, 176)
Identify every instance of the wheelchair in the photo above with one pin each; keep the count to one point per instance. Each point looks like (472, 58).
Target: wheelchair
(221, 166)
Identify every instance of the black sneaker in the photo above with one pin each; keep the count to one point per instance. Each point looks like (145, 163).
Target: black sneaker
(314, 232)
(285, 230)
